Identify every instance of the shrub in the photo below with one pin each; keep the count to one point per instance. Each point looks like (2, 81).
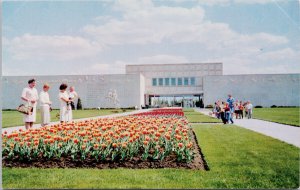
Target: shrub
(258, 106)
(209, 106)
(288, 106)
(79, 105)
(273, 106)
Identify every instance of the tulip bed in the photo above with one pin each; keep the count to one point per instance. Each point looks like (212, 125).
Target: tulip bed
(163, 112)
(150, 140)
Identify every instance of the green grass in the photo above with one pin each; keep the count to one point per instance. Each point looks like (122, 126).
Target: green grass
(14, 118)
(188, 110)
(289, 116)
(237, 157)
(196, 117)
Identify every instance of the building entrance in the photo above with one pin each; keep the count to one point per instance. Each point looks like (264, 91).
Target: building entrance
(186, 101)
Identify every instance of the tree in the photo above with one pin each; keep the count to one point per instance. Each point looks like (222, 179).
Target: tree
(79, 105)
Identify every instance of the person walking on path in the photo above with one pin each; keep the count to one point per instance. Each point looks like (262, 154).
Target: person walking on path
(65, 106)
(30, 97)
(228, 114)
(45, 104)
(222, 113)
(249, 108)
(230, 102)
(241, 108)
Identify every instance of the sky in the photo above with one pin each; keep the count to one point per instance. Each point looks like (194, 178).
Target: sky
(101, 37)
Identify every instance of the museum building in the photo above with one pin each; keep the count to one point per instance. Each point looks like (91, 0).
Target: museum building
(159, 85)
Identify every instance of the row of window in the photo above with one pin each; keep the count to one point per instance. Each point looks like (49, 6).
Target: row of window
(186, 81)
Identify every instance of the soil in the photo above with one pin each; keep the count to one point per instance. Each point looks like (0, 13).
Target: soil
(198, 163)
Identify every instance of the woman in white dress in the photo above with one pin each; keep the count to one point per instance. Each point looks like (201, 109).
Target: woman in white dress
(73, 95)
(65, 106)
(30, 97)
(45, 105)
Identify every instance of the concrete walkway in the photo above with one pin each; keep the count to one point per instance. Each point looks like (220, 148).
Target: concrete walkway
(12, 129)
(286, 133)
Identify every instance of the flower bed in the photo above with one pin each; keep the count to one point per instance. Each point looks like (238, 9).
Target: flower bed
(163, 112)
(131, 141)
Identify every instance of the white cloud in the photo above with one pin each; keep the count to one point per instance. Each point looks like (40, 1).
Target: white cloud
(284, 55)
(258, 1)
(146, 24)
(260, 62)
(143, 23)
(118, 66)
(214, 2)
(56, 48)
(229, 2)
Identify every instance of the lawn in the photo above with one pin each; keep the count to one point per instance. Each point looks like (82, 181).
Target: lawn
(289, 116)
(237, 157)
(196, 117)
(14, 118)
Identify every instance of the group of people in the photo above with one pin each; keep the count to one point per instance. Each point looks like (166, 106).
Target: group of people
(227, 110)
(31, 97)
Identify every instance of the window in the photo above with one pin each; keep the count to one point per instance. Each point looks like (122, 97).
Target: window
(186, 81)
(179, 81)
(193, 81)
(173, 81)
(154, 82)
(167, 81)
(160, 81)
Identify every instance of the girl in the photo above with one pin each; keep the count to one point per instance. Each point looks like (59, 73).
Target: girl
(45, 105)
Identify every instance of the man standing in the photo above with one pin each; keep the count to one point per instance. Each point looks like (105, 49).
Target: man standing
(249, 108)
(30, 97)
(230, 102)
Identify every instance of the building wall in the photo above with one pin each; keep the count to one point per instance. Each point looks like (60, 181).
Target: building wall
(142, 91)
(92, 89)
(197, 70)
(261, 89)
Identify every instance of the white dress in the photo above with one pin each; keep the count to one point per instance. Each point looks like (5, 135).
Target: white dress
(64, 109)
(45, 107)
(30, 94)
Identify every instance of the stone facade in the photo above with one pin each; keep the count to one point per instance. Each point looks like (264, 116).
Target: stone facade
(135, 88)
(261, 89)
(92, 89)
(174, 71)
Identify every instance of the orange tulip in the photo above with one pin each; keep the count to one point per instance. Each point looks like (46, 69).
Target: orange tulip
(180, 145)
(75, 141)
(114, 145)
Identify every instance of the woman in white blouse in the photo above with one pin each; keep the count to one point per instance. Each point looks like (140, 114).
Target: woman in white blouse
(65, 106)
(30, 97)
(73, 95)
(45, 105)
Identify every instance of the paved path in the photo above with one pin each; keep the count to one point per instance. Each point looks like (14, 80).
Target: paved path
(11, 129)
(286, 133)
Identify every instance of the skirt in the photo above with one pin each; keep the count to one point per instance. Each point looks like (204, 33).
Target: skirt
(65, 113)
(45, 114)
(32, 117)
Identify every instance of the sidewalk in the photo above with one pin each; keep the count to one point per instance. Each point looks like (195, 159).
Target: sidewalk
(11, 129)
(286, 133)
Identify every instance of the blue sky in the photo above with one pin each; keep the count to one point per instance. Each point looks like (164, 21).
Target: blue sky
(101, 37)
